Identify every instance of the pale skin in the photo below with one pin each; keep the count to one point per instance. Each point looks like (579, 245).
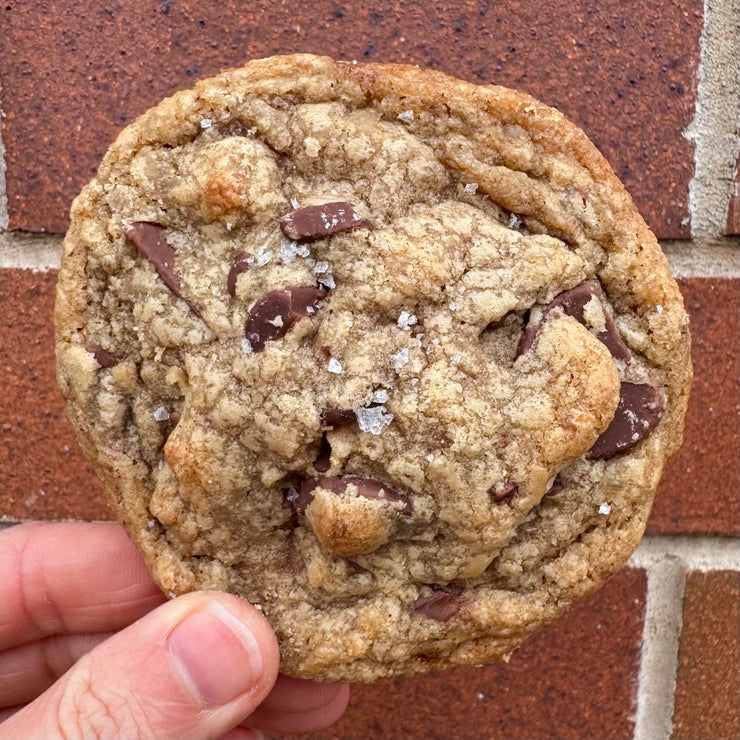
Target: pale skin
(89, 647)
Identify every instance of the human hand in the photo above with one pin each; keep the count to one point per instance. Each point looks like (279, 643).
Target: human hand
(89, 647)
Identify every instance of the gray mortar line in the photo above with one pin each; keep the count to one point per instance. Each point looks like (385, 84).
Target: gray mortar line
(666, 560)
(690, 258)
(715, 131)
(30, 251)
(3, 189)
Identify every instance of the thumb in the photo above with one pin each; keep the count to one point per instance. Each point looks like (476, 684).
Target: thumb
(194, 667)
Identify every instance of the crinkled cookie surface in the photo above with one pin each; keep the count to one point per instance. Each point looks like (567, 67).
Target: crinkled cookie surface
(390, 355)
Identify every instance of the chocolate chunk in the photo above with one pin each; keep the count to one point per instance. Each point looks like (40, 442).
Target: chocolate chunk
(151, 241)
(272, 315)
(366, 487)
(103, 358)
(572, 303)
(242, 264)
(640, 408)
(441, 604)
(316, 222)
(503, 491)
(334, 417)
(323, 462)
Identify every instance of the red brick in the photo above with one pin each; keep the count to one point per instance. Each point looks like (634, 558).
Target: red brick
(699, 491)
(574, 679)
(43, 473)
(74, 73)
(708, 682)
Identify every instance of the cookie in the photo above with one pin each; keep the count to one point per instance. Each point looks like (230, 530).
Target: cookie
(390, 355)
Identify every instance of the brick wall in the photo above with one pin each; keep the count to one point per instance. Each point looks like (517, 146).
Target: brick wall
(656, 85)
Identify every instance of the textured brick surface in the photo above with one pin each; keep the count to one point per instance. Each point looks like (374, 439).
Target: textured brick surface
(74, 73)
(699, 491)
(574, 679)
(42, 472)
(708, 681)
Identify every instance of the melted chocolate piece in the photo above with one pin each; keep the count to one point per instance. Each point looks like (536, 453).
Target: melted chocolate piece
(503, 491)
(242, 264)
(272, 315)
(316, 222)
(572, 303)
(103, 358)
(366, 487)
(151, 241)
(334, 417)
(640, 408)
(323, 462)
(441, 604)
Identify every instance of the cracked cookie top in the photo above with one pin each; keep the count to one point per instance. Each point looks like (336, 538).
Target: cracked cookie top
(391, 355)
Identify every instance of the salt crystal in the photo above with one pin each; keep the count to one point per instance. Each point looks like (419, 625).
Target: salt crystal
(161, 414)
(480, 697)
(380, 396)
(471, 187)
(373, 419)
(320, 266)
(150, 524)
(263, 258)
(406, 116)
(430, 457)
(604, 508)
(414, 381)
(171, 595)
(659, 308)
(289, 250)
(229, 226)
(399, 359)
(514, 222)
(406, 320)
(294, 202)
(335, 366)
(246, 346)
(206, 123)
(453, 306)
(327, 281)
(455, 359)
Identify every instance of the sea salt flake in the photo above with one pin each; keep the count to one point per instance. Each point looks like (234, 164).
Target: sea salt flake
(380, 396)
(320, 266)
(373, 419)
(206, 123)
(481, 697)
(604, 508)
(327, 281)
(161, 414)
(399, 359)
(406, 116)
(406, 320)
(294, 202)
(659, 308)
(471, 187)
(453, 306)
(430, 457)
(335, 366)
(263, 258)
(455, 359)
(289, 250)
(246, 346)
(229, 226)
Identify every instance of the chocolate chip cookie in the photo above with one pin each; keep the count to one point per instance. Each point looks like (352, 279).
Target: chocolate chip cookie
(391, 355)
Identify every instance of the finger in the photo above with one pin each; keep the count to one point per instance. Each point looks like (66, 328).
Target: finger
(194, 667)
(309, 720)
(300, 695)
(70, 578)
(28, 670)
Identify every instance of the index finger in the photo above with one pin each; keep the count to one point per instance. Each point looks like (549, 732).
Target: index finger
(70, 578)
